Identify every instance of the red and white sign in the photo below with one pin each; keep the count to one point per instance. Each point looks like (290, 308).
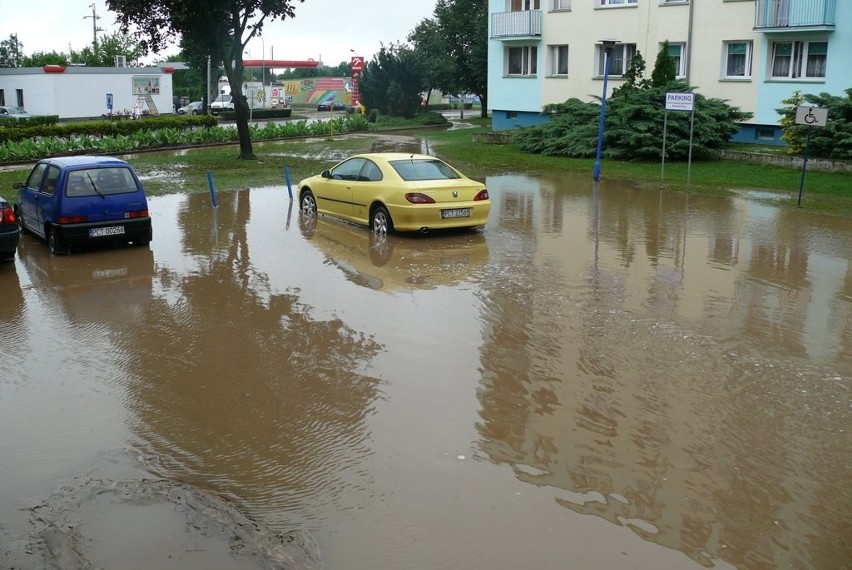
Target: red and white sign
(357, 64)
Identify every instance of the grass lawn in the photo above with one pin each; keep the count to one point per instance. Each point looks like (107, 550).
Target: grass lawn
(168, 172)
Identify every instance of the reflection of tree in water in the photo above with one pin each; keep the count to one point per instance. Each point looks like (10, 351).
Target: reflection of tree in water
(651, 426)
(240, 389)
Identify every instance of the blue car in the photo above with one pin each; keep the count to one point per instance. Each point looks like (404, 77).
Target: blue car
(9, 231)
(80, 201)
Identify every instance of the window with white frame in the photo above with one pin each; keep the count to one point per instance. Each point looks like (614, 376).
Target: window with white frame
(617, 2)
(522, 60)
(524, 5)
(677, 51)
(619, 59)
(674, 1)
(738, 60)
(799, 60)
(560, 4)
(557, 60)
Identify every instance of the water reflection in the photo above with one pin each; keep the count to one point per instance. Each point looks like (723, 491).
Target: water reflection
(396, 262)
(653, 359)
(252, 395)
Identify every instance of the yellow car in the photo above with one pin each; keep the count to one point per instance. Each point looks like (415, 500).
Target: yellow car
(402, 192)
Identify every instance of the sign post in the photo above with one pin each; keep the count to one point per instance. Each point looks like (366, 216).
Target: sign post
(678, 102)
(812, 117)
(356, 65)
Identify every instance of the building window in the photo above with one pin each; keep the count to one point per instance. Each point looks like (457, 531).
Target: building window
(19, 94)
(560, 4)
(604, 3)
(524, 5)
(619, 59)
(2, 97)
(676, 52)
(558, 60)
(522, 60)
(798, 60)
(674, 1)
(764, 134)
(738, 59)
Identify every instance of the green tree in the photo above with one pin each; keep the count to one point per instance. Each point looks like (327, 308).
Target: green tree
(222, 27)
(11, 52)
(439, 70)
(102, 53)
(42, 58)
(665, 70)
(391, 82)
(634, 76)
(463, 26)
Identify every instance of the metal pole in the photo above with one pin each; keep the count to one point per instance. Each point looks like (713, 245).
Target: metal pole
(689, 162)
(663, 153)
(596, 174)
(804, 165)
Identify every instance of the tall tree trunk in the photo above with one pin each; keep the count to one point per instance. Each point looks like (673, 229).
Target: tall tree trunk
(483, 100)
(241, 110)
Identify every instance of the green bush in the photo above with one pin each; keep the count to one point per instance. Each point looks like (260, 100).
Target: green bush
(102, 128)
(633, 127)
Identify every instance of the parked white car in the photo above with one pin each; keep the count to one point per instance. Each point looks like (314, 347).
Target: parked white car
(13, 112)
(194, 108)
(222, 103)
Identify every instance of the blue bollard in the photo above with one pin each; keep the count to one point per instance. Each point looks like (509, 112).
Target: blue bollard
(287, 178)
(212, 188)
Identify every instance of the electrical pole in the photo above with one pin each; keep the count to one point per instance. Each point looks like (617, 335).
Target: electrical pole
(95, 28)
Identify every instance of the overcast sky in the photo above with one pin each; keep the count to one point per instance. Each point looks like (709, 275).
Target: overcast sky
(322, 29)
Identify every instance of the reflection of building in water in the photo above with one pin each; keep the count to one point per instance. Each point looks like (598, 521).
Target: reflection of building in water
(628, 365)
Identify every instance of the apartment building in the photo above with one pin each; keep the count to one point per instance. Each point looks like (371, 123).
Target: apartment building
(753, 53)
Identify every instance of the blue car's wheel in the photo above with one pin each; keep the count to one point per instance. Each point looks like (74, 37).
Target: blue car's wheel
(55, 243)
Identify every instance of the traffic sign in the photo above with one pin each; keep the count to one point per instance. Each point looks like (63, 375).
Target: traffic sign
(680, 101)
(811, 116)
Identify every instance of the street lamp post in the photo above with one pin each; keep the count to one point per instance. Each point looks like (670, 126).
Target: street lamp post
(263, 69)
(608, 45)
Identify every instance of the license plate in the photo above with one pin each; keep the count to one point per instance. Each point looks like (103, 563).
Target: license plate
(457, 213)
(107, 231)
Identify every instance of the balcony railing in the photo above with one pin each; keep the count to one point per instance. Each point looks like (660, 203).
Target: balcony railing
(508, 25)
(793, 15)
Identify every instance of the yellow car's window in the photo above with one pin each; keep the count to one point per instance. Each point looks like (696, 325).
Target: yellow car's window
(423, 170)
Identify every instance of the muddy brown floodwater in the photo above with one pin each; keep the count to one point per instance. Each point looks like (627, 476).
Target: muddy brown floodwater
(605, 377)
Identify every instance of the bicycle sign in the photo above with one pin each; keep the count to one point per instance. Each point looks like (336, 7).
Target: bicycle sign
(811, 116)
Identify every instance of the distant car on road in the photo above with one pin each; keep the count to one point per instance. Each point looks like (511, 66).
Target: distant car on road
(83, 200)
(10, 232)
(194, 108)
(13, 113)
(221, 103)
(331, 106)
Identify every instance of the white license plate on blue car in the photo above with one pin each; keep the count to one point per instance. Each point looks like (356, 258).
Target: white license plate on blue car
(455, 213)
(107, 231)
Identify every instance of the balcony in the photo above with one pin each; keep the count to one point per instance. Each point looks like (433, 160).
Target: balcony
(794, 15)
(516, 25)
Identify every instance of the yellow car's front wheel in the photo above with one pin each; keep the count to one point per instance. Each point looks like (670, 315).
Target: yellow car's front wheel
(308, 203)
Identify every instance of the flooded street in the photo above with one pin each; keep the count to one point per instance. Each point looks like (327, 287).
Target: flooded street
(604, 377)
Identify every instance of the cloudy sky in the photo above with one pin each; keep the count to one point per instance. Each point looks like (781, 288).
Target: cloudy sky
(322, 29)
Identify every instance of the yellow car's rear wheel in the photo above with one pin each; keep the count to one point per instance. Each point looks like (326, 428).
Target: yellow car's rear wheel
(380, 221)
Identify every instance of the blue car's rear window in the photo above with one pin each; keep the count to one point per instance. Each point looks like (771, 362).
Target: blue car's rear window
(100, 182)
(423, 170)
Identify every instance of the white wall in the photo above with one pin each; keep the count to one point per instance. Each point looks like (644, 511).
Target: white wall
(81, 92)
